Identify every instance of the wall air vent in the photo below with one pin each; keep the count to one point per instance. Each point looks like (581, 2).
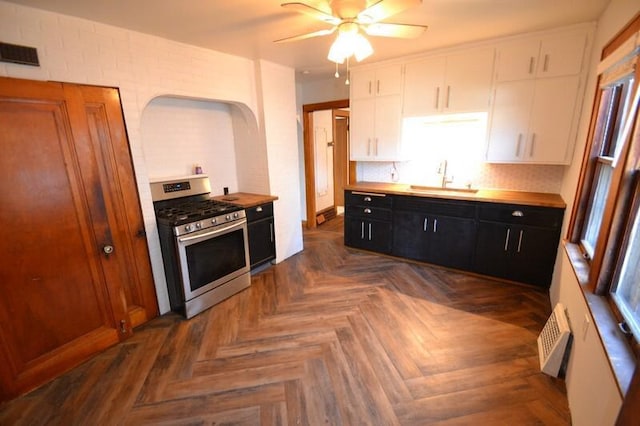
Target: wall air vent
(553, 342)
(16, 54)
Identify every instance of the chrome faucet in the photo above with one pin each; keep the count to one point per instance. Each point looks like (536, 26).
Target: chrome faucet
(442, 170)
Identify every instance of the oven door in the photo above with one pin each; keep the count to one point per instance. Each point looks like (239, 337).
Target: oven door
(213, 256)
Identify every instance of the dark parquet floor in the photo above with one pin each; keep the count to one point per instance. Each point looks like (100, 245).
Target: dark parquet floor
(330, 336)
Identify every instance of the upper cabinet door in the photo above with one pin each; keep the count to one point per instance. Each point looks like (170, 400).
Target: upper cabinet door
(517, 60)
(562, 55)
(468, 81)
(423, 82)
(376, 82)
(551, 123)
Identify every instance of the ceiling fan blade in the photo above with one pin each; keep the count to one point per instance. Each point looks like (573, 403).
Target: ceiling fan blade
(394, 30)
(318, 14)
(307, 35)
(384, 8)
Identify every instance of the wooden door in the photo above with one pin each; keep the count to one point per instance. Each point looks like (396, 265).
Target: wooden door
(340, 155)
(66, 196)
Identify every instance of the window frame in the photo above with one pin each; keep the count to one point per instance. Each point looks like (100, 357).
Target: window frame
(602, 264)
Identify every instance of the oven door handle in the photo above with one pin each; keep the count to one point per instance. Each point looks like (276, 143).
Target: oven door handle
(210, 233)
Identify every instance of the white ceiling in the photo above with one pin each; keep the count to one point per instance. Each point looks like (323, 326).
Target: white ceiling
(248, 27)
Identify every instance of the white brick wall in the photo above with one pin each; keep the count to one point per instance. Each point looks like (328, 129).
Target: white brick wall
(145, 67)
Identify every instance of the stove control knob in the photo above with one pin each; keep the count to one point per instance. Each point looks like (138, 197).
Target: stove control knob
(235, 215)
(227, 217)
(188, 228)
(198, 225)
(214, 221)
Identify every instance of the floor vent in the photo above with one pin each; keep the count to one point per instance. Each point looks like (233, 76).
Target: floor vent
(553, 342)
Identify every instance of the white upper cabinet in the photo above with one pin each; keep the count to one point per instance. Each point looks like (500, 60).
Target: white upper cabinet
(449, 84)
(382, 81)
(375, 119)
(548, 56)
(533, 121)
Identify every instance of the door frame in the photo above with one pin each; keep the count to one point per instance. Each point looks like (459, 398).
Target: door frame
(309, 154)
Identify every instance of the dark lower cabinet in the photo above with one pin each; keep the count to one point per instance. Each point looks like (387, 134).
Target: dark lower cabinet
(367, 234)
(523, 247)
(367, 221)
(260, 227)
(422, 234)
(513, 242)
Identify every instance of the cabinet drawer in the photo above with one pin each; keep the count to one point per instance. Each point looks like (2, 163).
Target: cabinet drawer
(547, 217)
(442, 208)
(367, 199)
(368, 212)
(259, 212)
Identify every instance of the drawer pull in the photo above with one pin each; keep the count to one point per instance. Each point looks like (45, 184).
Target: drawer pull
(517, 213)
(520, 241)
(367, 199)
(259, 209)
(424, 226)
(367, 211)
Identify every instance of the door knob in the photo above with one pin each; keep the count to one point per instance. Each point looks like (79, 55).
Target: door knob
(107, 250)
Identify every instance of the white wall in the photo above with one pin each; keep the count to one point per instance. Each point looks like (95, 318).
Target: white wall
(592, 391)
(277, 91)
(179, 133)
(145, 67)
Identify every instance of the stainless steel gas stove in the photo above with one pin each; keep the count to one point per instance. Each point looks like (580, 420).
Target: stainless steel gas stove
(204, 244)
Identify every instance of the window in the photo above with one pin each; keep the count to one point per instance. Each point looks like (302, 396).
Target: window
(605, 222)
(614, 107)
(626, 286)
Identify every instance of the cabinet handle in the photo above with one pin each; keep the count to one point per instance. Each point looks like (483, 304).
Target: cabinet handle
(369, 86)
(518, 144)
(367, 199)
(506, 240)
(545, 66)
(531, 63)
(435, 225)
(377, 87)
(424, 226)
(259, 209)
(376, 146)
(517, 213)
(437, 97)
(533, 145)
(369, 231)
(367, 211)
(446, 105)
(271, 231)
(362, 231)
(368, 147)
(520, 240)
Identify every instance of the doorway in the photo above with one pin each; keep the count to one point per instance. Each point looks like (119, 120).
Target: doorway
(326, 159)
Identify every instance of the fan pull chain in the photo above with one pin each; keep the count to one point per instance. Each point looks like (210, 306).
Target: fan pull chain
(346, 82)
(337, 74)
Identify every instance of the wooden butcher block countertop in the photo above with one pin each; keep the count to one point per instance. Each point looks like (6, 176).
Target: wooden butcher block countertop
(485, 195)
(245, 199)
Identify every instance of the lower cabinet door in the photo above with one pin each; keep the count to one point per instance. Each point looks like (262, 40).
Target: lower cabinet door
(262, 245)
(367, 234)
(411, 235)
(451, 241)
(491, 254)
(533, 254)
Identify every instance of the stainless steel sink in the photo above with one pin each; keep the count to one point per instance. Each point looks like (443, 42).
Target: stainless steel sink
(440, 190)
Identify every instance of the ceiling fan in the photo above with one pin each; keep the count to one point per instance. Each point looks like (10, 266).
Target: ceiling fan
(352, 17)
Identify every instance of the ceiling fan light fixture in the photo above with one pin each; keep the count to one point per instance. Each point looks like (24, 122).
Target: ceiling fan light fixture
(349, 42)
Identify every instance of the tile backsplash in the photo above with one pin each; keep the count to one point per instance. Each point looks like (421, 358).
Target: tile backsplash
(517, 177)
